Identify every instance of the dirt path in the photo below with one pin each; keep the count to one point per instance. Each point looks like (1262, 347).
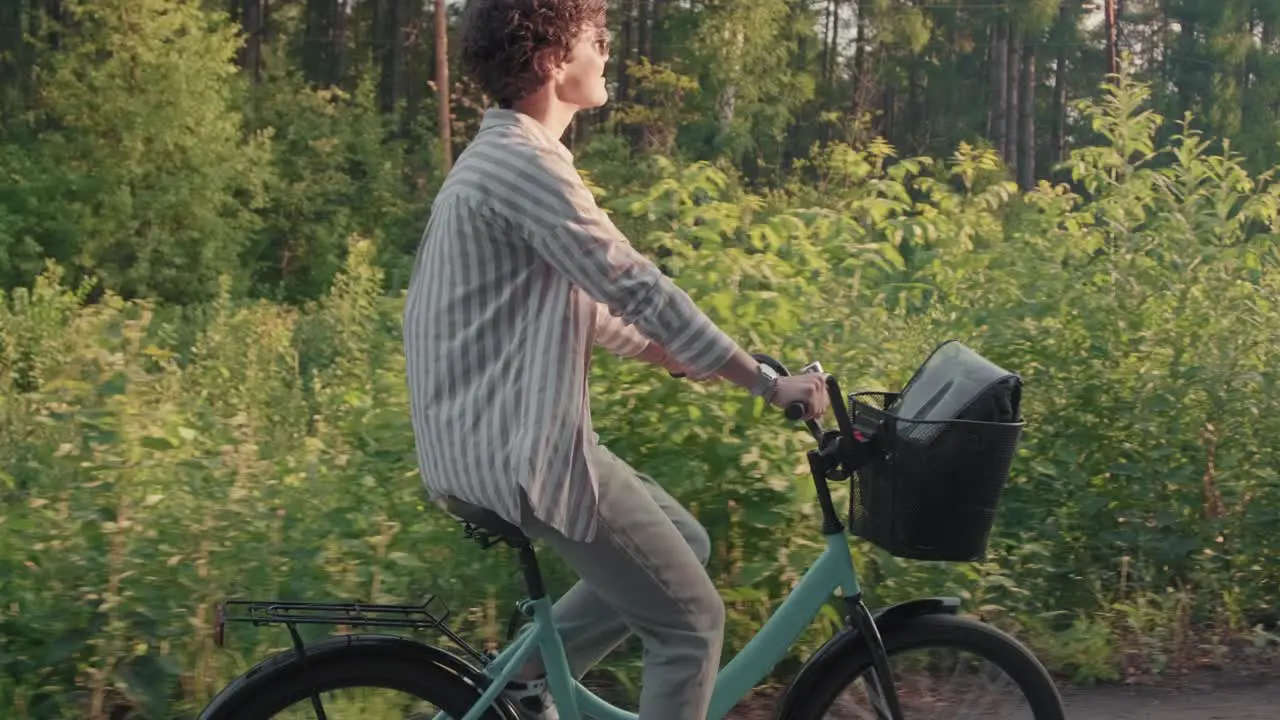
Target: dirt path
(1254, 700)
(1202, 696)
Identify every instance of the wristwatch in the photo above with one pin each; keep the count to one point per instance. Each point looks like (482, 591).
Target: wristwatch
(766, 382)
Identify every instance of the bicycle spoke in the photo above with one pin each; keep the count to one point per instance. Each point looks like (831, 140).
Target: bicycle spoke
(360, 704)
(942, 684)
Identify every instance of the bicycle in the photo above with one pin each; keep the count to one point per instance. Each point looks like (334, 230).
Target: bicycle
(465, 689)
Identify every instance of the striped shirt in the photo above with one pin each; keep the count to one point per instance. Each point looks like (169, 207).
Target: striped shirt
(518, 276)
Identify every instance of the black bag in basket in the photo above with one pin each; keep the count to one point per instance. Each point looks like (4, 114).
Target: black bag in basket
(948, 440)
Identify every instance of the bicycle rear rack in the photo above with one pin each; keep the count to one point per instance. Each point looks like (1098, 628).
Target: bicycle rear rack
(430, 615)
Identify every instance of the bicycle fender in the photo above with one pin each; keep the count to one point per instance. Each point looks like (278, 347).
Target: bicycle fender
(351, 648)
(839, 648)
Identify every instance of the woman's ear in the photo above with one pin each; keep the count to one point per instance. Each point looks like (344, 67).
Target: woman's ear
(548, 65)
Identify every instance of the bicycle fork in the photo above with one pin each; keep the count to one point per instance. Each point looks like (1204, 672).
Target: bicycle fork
(881, 689)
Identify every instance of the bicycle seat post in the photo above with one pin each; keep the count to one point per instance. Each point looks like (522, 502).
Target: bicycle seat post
(529, 566)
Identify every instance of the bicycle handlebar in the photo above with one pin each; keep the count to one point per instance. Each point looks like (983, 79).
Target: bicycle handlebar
(844, 450)
(798, 409)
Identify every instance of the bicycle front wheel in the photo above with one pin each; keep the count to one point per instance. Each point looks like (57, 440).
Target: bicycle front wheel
(943, 667)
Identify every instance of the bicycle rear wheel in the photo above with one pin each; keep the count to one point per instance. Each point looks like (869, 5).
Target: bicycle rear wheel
(931, 680)
(360, 666)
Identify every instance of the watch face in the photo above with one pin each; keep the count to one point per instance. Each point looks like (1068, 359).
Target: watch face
(767, 376)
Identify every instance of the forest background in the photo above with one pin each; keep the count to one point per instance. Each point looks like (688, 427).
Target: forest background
(208, 212)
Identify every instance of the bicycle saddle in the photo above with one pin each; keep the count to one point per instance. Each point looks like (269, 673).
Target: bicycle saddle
(485, 519)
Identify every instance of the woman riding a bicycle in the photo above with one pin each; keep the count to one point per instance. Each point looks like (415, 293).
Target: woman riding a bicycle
(518, 275)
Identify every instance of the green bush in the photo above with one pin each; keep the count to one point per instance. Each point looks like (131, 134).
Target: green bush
(154, 462)
(133, 166)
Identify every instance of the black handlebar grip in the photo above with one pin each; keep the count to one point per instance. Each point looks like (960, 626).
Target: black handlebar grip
(797, 410)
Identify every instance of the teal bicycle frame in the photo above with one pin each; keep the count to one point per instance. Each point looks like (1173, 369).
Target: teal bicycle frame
(833, 570)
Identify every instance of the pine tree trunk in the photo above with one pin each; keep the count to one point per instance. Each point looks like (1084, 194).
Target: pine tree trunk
(324, 42)
(999, 85)
(1246, 80)
(1122, 42)
(13, 92)
(833, 58)
(860, 64)
(392, 87)
(916, 132)
(415, 66)
(642, 29)
(251, 15)
(337, 52)
(1059, 139)
(1185, 70)
(657, 32)
(315, 42)
(826, 42)
(623, 50)
(1268, 34)
(1109, 25)
(442, 85)
(642, 42)
(889, 123)
(1027, 138)
(46, 18)
(268, 27)
(1013, 94)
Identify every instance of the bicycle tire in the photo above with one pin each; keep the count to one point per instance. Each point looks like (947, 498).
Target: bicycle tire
(352, 661)
(939, 631)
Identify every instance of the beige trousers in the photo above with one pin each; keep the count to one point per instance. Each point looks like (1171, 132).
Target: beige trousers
(644, 572)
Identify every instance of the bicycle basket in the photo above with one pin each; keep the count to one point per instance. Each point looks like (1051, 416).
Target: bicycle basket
(947, 441)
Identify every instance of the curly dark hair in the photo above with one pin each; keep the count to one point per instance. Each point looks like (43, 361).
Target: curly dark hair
(502, 39)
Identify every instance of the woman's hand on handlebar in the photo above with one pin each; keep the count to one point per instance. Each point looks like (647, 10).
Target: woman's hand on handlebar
(809, 389)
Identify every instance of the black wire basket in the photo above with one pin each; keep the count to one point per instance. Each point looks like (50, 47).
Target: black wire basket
(932, 490)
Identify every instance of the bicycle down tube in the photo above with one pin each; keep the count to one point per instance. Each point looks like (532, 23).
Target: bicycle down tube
(832, 571)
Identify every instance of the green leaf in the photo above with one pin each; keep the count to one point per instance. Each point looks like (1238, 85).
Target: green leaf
(158, 442)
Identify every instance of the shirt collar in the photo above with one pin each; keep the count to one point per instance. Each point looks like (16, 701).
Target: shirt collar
(497, 117)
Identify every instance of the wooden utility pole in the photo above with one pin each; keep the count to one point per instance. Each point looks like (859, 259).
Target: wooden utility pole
(442, 85)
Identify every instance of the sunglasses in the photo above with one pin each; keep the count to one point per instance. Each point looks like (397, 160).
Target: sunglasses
(602, 41)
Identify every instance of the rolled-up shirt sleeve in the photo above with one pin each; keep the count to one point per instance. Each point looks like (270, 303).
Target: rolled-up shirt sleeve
(616, 336)
(565, 226)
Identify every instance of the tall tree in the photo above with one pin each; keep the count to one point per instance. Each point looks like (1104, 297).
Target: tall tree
(999, 61)
(324, 42)
(145, 171)
(252, 16)
(389, 32)
(1109, 24)
(622, 50)
(1058, 136)
(1014, 95)
(1027, 133)
(418, 68)
(442, 85)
